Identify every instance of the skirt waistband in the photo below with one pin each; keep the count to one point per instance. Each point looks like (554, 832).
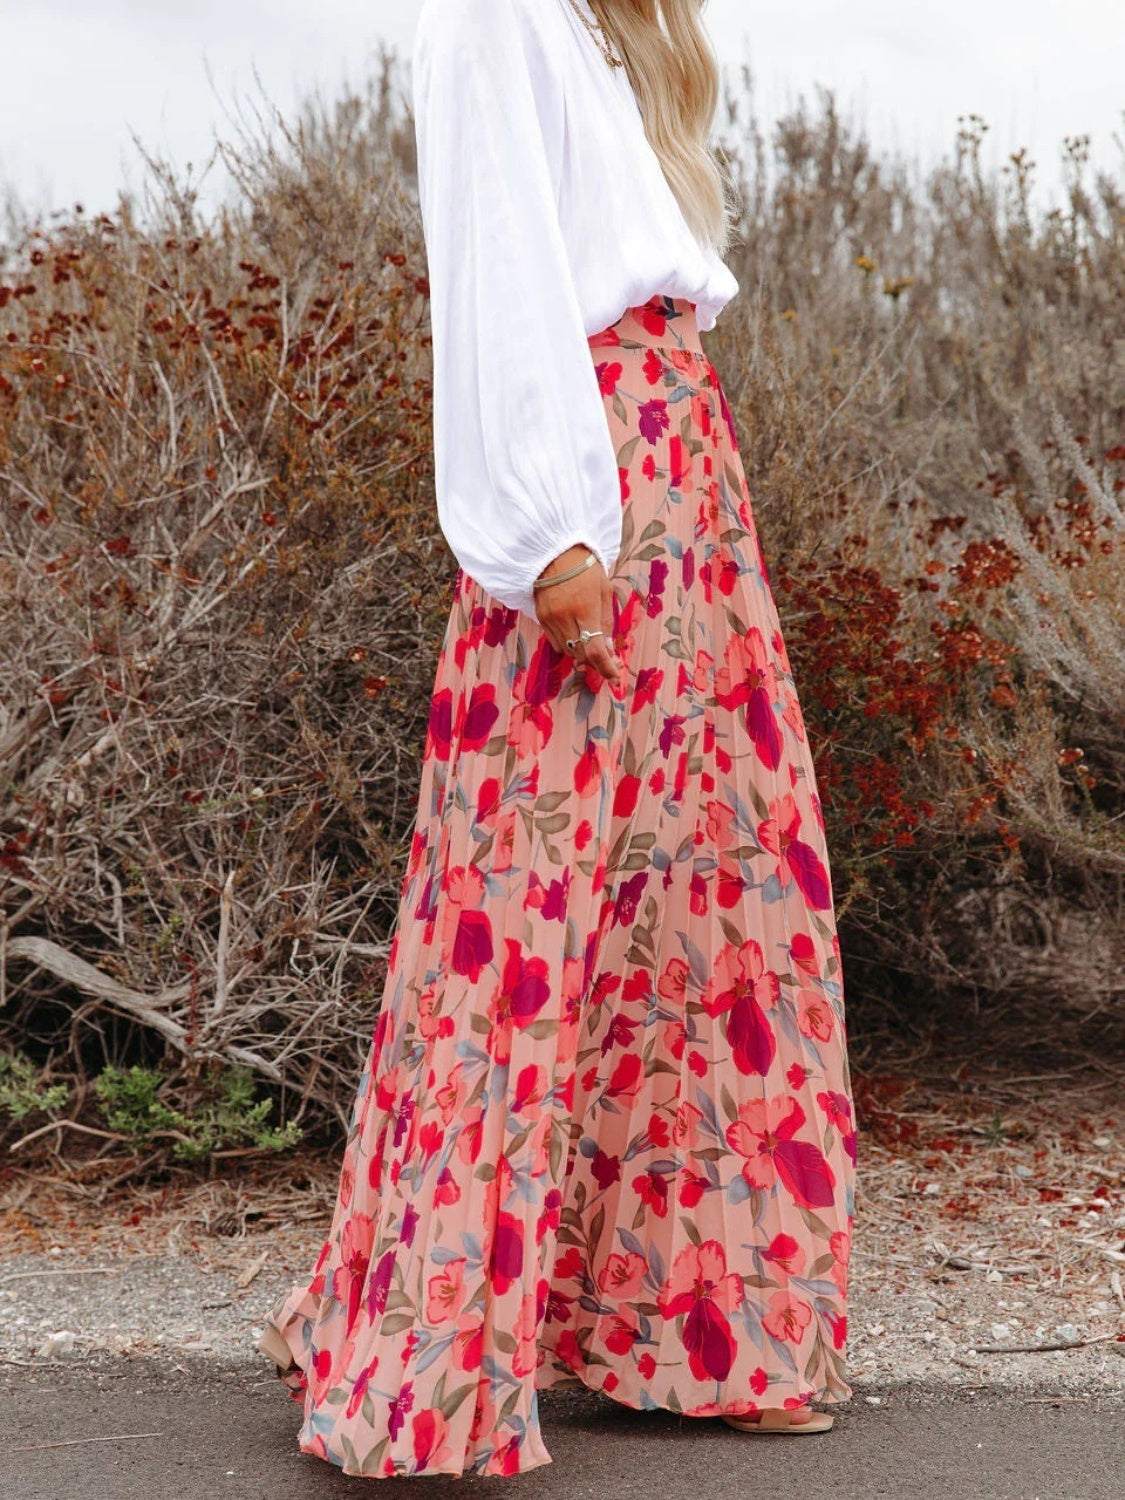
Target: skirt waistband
(660, 323)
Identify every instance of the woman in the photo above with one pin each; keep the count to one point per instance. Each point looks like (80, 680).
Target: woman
(605, 1133)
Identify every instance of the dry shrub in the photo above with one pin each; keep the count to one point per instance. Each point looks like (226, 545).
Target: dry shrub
(930, 383)
(223, 585)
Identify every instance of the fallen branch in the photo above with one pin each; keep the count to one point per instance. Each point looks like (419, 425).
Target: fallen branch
(1102, 1338)
(63, 1271)
(117, 1437)
(252, 1270)
(84, 976)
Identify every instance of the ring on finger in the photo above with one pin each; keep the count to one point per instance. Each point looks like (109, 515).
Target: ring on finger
(582, 638)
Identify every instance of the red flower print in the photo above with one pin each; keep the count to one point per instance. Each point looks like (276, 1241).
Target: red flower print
(379, 1285)
(400, 1405)
(588, 769)
(622, 1332)
(803, 954)
(446, 1189)
(759, 1380)
(627, 1077)
(570, 1265)
(680, 459)
(701, 1289)
(545, 675)
(692, 1188)
(742, 988)
(523, 991)
(672, 984)
(472, 945)
(468, 1342)
(788, 1316)
(506, 1458)
(446, 1292)
(652, 1187)
(531, 1088)
(764, 1134)
(355, 1250)
(628, 898)
(814, 1015)
(625, 797)
(747, 677)
(837, 1107)
(653, 367)
(794, 857)
(648, 684)
(548, 900)
(608, 376)
(654, 317)
(786, 1254)
(430, 1429)
(623, 1276)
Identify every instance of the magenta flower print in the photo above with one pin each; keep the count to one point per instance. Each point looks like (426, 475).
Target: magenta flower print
(742, 989)
(379, 1285)
(653, 420)
(795, 857)
(764, 1133)
(747, 677)
(400, 1406)
(523, 991)
(441, 724)
(480, 716)
(702, 1291)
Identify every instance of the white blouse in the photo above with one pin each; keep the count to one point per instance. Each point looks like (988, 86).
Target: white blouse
(546, 215)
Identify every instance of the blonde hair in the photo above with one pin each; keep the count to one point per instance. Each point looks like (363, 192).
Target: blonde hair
(676, 80)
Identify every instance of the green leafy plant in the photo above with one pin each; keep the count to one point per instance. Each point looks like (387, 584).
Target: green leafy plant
(228, 1114)
(22, 1091)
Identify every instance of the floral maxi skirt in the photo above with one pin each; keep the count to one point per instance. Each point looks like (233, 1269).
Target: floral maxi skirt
(605, 1131)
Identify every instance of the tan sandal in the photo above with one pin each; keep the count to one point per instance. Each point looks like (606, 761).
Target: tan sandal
(274, 1347)
(778, 1419)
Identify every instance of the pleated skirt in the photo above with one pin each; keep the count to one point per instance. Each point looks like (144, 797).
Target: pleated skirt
(605, 1131)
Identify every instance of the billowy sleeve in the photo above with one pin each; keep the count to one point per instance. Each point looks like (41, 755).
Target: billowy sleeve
(525, 466)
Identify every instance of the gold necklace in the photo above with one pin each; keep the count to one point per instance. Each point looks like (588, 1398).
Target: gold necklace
(597, 31)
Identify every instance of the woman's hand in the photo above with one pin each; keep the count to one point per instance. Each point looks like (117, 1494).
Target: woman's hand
(582, 603)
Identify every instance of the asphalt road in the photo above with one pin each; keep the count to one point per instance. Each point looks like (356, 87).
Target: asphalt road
(225, 1434)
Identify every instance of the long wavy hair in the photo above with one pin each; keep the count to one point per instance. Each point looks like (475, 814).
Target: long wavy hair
(675, 77)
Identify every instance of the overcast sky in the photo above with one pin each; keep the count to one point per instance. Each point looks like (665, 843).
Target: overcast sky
(77, 75)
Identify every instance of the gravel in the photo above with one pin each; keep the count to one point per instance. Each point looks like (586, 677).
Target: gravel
(906, 1327)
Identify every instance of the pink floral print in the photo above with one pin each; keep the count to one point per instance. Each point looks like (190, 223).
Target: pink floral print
(605, 1132)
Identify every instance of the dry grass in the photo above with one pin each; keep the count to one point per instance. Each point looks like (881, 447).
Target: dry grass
(221, 586)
